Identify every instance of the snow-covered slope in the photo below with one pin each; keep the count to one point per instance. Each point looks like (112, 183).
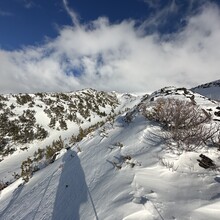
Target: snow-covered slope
(210, 90)
(32, 121)
(123, 170)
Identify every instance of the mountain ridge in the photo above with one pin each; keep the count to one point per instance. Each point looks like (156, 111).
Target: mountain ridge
(210, 90)
(130, 167)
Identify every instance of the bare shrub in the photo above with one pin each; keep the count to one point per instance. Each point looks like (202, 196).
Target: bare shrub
(3, 185)
(119, 144)
(185, 122)
(215, 140)
(27, 169)
(178, 114)
(169, 165)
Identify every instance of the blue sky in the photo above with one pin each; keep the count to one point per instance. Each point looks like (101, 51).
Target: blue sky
(31, 22)
(122, 45)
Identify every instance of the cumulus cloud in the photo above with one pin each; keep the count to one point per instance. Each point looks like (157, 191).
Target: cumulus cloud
(117, 57)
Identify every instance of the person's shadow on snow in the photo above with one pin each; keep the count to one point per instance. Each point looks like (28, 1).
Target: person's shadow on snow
(72, 189)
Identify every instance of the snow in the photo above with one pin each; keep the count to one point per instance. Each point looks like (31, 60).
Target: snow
(100, 182)
(210, 90)
(141, 215)
(212, 93)
(11, 163)
(210, 211)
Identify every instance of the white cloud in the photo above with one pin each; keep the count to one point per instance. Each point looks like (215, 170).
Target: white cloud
(29, 4)
(71, 13)
(152, 3)
(5, 13)
(117, 57)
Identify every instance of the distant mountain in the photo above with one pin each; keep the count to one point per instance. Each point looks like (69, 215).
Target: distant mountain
(108, 156)
(210, 90)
